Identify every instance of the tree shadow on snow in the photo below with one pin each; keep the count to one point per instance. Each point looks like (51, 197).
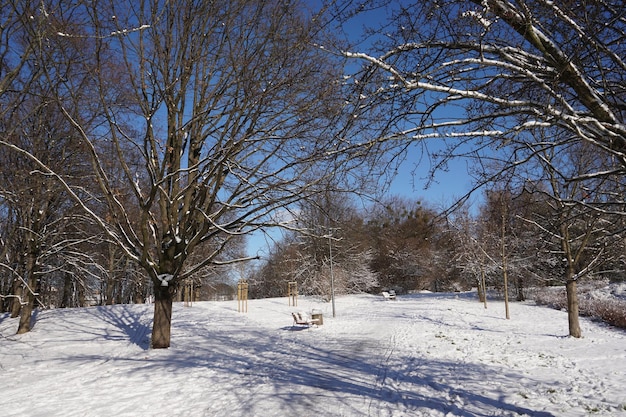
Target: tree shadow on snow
(305, 374)
(127, 319)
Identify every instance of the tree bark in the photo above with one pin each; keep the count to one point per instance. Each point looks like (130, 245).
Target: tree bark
(111, 291)
(483, 285)
(506, 294)
(481, 291)
(520, 289)
(505, 274)
(27, 293)
(68, 291)
(572, 305)
(161, 327)
(16, 302)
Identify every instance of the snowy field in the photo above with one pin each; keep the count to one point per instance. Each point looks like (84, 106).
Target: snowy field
(422, 355)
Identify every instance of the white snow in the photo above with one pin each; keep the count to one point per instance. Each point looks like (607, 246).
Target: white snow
(165, 279)
(422, 355)
(479, 17)
(127, 31)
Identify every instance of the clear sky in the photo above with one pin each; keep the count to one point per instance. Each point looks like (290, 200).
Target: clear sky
(411, 180)
(445, 188)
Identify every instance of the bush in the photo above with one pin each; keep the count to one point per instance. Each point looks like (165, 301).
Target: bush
(597, 303)
(610, 311)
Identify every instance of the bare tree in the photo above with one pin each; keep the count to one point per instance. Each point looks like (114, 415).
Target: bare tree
(38, 203)
(487, 73)
(230, 105)
(580, 231)
(473, 258)
(513, 66)
(35, 135)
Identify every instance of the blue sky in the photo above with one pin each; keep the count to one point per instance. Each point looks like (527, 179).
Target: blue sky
(447, 186)
(411, 180)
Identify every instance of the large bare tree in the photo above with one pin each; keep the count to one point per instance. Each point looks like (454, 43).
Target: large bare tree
(230, 105)
(486, 73)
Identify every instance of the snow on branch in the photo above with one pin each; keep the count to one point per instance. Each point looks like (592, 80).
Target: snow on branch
(165, 279)
(121, 32)
(428, 86)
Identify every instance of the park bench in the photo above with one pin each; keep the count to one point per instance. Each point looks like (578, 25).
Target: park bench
(302, 319)
(391, 295)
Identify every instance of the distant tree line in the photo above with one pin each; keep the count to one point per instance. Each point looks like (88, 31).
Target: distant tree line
(405, 245)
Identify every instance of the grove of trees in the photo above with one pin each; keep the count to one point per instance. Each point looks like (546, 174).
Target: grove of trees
(405, 245)
(533, 90)
(141, 142)
(194, 124)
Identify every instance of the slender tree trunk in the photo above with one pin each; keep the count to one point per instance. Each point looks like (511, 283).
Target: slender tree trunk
(138, 291)
(483, 284)
(520, 289)
(138, 297)
(481, 292)
(27, 294)
(572, 305)
(161, 327)
(505, 274)
(110, 291)
(68, 291)
(111, 281)
(506, 294)
(80, 294)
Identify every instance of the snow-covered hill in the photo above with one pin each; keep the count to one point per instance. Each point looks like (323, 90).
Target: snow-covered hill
(422, 355)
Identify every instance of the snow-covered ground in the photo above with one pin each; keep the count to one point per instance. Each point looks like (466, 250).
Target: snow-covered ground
(422, 355)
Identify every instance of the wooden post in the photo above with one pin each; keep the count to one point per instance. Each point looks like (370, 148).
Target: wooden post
(292, 293)
(242, 296)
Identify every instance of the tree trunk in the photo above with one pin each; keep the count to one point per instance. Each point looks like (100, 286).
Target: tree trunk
(80, 294)
(111, 291)
(506, 294)
(28, 295)
(26, 314)
(68, 292)
(520, 289)
(111, 281)
(572, 306)
(138, 295)
(483, 285)
(16, 302)
(481, 294)
(161, 327)
(505, 274)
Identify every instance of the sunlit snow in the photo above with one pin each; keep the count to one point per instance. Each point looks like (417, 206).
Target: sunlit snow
(422, 355)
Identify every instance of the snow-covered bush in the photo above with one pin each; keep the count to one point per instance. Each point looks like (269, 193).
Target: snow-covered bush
(606, 302)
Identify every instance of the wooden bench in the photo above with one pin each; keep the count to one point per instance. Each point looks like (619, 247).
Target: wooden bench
(389, 295)
(302, 319)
